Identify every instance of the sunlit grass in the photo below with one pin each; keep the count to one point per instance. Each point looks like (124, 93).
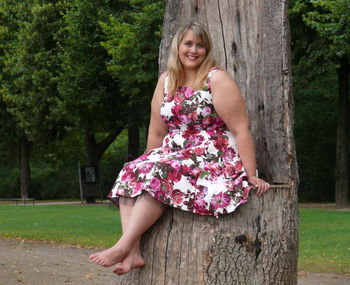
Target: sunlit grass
(83, 225)
(324, 241)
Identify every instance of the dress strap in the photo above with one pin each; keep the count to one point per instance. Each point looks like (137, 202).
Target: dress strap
(166, 85)
(210, 74)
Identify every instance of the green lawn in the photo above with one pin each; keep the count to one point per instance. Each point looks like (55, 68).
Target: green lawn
(78, 224)
(324, 244)
(324, 241)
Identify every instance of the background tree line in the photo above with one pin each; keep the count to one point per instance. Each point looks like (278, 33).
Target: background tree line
(77, 77)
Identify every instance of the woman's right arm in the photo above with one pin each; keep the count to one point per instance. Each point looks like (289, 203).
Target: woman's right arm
(157, 128)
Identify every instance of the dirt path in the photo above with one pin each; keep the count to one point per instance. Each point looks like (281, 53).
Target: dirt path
(29, 262)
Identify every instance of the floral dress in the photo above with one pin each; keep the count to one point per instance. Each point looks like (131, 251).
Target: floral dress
(197, 168)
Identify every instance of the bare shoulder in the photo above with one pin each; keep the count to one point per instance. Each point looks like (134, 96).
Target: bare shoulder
(222, 83)
(162, 77)
(221, 76)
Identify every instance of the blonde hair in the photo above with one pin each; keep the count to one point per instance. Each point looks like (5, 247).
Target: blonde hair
(175, 68)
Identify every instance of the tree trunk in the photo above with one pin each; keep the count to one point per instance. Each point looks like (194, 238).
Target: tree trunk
(258, 243)
(26, 149)
(133, 142)
(342, 148)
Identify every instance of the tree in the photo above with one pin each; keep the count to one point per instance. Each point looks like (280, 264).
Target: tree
(330, 21)
(258, 243)
(91, 97)
(30, 74)
(133, 38)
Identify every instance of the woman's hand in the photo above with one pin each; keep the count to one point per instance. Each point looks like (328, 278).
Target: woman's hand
(260, 185)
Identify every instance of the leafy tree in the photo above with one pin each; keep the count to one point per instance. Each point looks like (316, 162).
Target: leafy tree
(133, 39)
(329, 44)
(29, 77)
(91, 97)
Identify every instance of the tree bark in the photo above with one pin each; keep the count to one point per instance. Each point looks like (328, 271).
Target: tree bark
(342, 147)
(26, 149)
(133, 142)
(258, 243)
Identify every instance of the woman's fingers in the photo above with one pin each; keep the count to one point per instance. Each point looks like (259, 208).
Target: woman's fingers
(261, 186)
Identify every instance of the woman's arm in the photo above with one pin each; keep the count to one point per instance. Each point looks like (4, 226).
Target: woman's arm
(229, 104)
(157, 128)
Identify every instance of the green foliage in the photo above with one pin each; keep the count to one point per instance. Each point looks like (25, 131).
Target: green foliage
(331, 20)
(133, 42)
(30, 67)
(320, 38)
(90, 95)
(324, 241)
(81, 225)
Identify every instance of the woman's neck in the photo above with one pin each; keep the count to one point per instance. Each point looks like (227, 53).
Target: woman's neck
(189, 77)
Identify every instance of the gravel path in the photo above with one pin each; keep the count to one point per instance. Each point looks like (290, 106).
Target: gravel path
(32, 263)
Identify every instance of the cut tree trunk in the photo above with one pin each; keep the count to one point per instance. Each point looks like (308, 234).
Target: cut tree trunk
(258, 243)
(342, 148)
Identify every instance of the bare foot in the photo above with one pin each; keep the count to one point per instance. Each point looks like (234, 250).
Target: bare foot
(132, 261)
(109, 257)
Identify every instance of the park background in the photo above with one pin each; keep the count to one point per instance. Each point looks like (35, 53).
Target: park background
(77, 78)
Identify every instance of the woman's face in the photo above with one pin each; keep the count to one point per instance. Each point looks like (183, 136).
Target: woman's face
(191, 51)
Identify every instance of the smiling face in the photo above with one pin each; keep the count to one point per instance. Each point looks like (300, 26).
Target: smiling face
(192, 51)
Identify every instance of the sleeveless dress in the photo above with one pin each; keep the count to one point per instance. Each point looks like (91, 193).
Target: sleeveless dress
(197, 168)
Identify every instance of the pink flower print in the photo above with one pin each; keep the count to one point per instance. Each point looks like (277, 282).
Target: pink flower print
(184, 118)
(174, 176)
(145, 167)
(187, 134)
(238, 181)
(188, 92)
(230, 171)
(186, 154)
(206, 111)
(176, 110)
(155, 184)
(204, 165)
(179, 98)
(137, 187)
(193, 116)
(127, 175)
(185, 169)
(220, 200)
(220, 143)
(245, 193)
(238, 166)
(159, 195)
(196, 172)
(177, 197)
(175, 164)
(196, 140)
(199, 204)
(199, 151)
(166, 186)
(229, 154)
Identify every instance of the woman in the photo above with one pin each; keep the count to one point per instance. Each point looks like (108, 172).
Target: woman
(198, 126)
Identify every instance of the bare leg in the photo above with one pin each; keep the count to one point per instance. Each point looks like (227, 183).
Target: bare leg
(145, 213)
(134, 259)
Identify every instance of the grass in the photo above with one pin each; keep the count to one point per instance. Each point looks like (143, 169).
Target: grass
(324, 242)
(79, 225)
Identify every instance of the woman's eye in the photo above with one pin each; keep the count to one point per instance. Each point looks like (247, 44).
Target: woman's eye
(200, 46)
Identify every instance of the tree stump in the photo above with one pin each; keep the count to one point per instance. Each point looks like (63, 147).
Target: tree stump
(258, 243)
(255, 244)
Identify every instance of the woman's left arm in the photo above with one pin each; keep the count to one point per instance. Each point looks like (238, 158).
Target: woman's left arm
(229, 105)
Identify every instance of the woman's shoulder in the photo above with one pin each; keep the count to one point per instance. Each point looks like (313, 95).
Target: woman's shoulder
(219, 75)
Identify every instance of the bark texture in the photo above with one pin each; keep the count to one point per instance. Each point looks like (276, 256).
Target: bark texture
(342, 149)
(258, 243)
(26, 150)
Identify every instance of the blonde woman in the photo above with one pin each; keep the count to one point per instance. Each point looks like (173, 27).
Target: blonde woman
(200, 154)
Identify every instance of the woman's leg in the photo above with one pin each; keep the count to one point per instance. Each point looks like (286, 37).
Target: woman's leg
(134, 259)
(144, 214)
